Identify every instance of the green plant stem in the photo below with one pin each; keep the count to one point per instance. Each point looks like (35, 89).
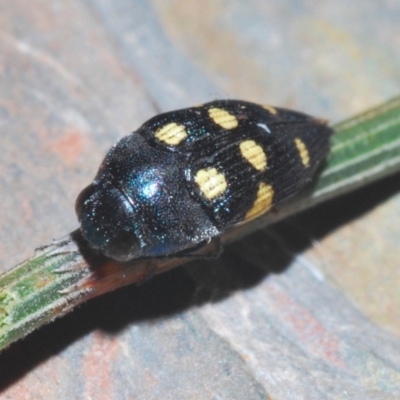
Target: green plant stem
(66, 273)
(364, 149)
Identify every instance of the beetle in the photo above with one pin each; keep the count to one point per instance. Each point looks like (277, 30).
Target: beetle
(187, 176)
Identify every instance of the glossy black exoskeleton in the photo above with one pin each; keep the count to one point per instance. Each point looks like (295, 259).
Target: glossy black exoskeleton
(187, 176)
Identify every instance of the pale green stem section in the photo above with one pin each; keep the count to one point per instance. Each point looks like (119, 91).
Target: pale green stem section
(32, 292)
(57, 278)
(364, 149)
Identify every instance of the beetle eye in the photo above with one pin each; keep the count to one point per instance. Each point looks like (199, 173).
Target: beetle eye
(107, 223)
(124, 246)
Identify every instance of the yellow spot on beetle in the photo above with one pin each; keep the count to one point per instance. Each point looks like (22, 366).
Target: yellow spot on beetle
(171, 133)
(211, 182)
(262, 203)
(223, 118)
(254, 154)
(271, 109)
(302, 148)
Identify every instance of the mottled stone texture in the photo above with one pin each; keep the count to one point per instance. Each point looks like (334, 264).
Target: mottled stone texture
(306, 309)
